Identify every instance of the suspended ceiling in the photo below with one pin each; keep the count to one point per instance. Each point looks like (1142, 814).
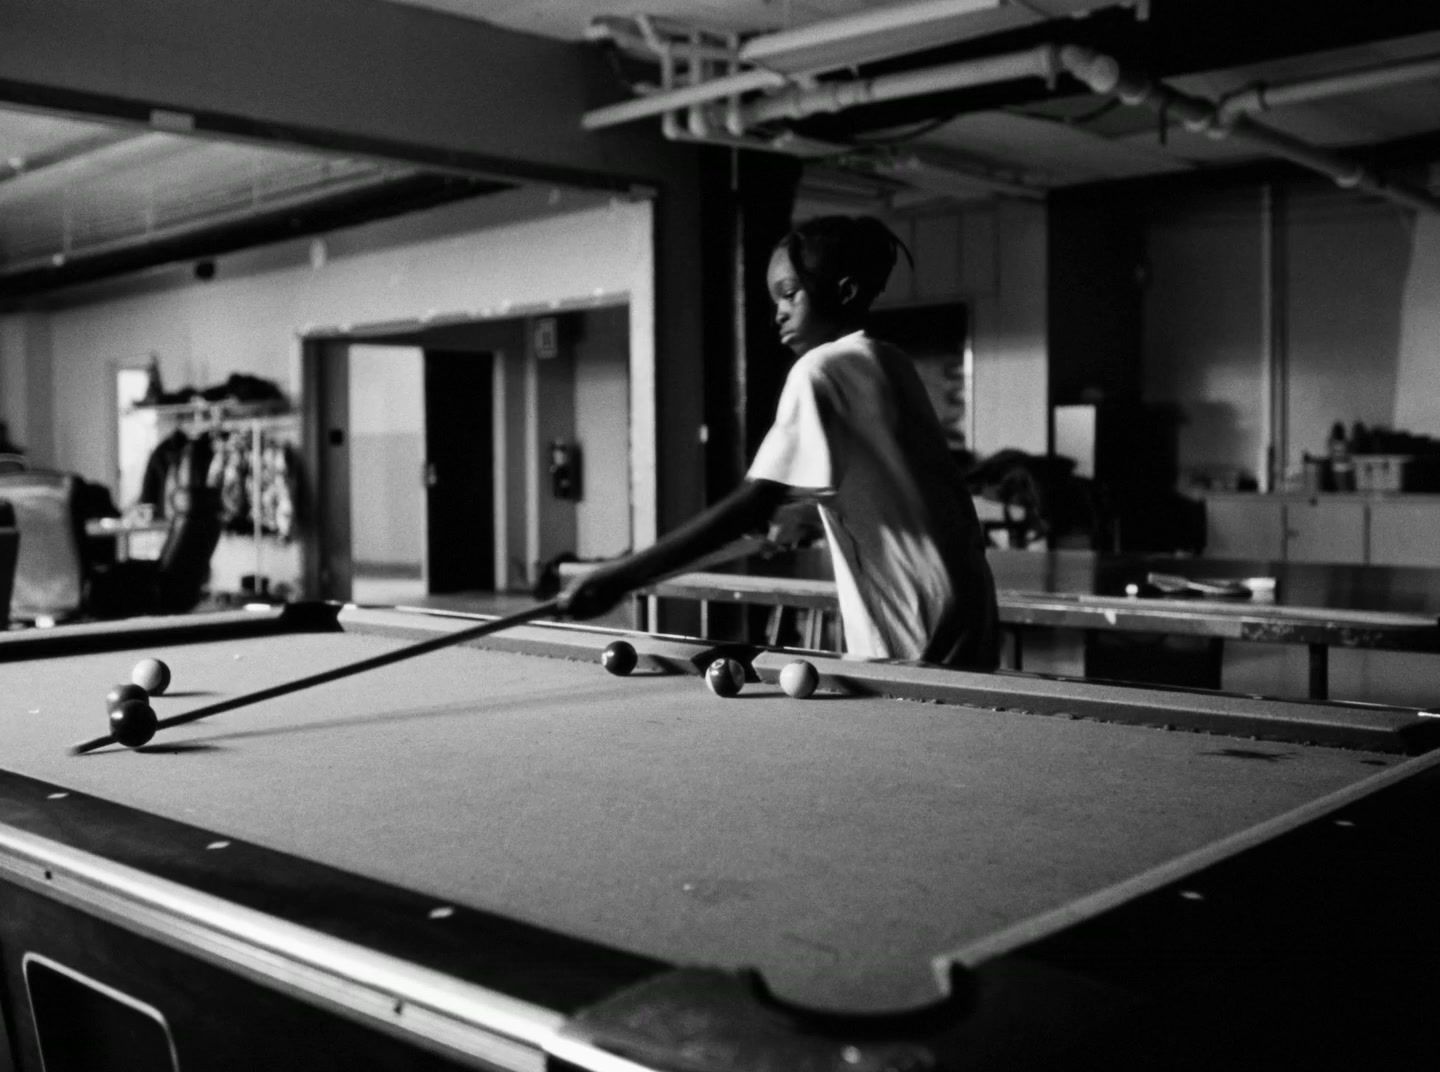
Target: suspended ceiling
(72, 189)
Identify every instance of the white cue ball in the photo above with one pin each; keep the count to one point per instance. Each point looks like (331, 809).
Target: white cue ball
(799, 679)
(152, 675)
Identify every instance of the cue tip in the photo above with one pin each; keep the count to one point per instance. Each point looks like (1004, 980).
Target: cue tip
(90, 745)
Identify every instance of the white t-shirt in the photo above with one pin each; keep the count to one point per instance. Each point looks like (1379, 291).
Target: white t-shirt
(855, 429)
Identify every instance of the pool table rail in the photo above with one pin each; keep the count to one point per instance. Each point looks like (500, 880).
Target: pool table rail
(432, 1009)
(1340, 724)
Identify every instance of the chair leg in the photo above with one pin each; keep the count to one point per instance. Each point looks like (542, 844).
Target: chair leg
(772, 626)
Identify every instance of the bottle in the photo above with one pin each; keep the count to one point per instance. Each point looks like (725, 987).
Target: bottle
(1359, 438)
(1342, 469)
(154, 390)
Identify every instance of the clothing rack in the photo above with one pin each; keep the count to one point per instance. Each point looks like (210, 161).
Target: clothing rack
(254, 419)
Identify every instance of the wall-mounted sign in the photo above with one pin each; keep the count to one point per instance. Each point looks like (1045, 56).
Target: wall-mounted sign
(546, 337)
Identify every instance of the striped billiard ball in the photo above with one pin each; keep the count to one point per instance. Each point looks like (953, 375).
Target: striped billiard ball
(725, 677)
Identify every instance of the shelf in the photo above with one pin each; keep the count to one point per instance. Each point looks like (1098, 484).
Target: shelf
(223, 412)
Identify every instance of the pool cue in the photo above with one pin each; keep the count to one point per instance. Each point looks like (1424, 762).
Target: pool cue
(737, 549)
(733, 551)
(410, 651)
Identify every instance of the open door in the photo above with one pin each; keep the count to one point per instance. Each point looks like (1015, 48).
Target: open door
(460, 470)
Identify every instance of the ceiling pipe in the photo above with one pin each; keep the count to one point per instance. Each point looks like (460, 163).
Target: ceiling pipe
(867, 36)
(660, 103)
(790, 56)
(652, 39)
(1260, 98)
(1104, 75)
(697, 130)
(639, 35)
(797, 102)
(696, 127)
(699, 127)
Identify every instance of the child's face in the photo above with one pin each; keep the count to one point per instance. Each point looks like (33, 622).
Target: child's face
(801, 326)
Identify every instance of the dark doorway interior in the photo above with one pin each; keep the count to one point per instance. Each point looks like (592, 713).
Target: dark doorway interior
(459, 471)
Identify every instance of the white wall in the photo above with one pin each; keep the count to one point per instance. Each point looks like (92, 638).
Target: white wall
(1012, 360)
(602, 428)
(1347, 260)
(387, 450)
(248, 318)
(1204, 328)
(1417, 377)
(491, 257)
(1358, 300)
(992, 257)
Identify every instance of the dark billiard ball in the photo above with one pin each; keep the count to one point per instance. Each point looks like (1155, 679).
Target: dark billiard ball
(120, 693)
(726, 677)
(799, 679)
(151, 675)
(132, 723)
(619, 657)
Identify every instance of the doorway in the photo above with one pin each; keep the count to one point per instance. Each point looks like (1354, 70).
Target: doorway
(422, 488)
(435, 454)
(386, 445)
(459, 471)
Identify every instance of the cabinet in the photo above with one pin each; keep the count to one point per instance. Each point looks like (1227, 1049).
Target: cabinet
(1324, 530)
(1347, 529)
(1405, 533)
(1251, 526)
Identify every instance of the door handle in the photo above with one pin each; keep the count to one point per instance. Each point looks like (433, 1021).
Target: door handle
(429, 476)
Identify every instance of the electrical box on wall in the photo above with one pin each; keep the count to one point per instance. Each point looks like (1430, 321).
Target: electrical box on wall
(565, 470)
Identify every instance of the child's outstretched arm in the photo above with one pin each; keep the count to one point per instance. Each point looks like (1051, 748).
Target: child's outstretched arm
(748, 507)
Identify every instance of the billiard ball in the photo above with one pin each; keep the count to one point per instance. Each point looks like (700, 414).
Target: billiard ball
(799, 679)
(151, 675)
(120, 693)
(133, 723)
(619, 657)
(725, 677)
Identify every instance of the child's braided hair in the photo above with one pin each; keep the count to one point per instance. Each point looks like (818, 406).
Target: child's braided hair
(828, 249)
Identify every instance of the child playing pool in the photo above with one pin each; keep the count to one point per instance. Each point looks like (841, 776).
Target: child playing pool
(854, 432)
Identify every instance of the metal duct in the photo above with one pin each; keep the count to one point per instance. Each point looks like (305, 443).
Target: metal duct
(1103, 74)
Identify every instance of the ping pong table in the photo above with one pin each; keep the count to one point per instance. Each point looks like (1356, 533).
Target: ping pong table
(1315, 605)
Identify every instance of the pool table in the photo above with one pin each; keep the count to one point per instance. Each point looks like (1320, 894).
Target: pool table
(498, 855)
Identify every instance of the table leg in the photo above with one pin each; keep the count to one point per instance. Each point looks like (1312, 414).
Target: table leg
(814, 627)
(1017, 647)
(1319, 671)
